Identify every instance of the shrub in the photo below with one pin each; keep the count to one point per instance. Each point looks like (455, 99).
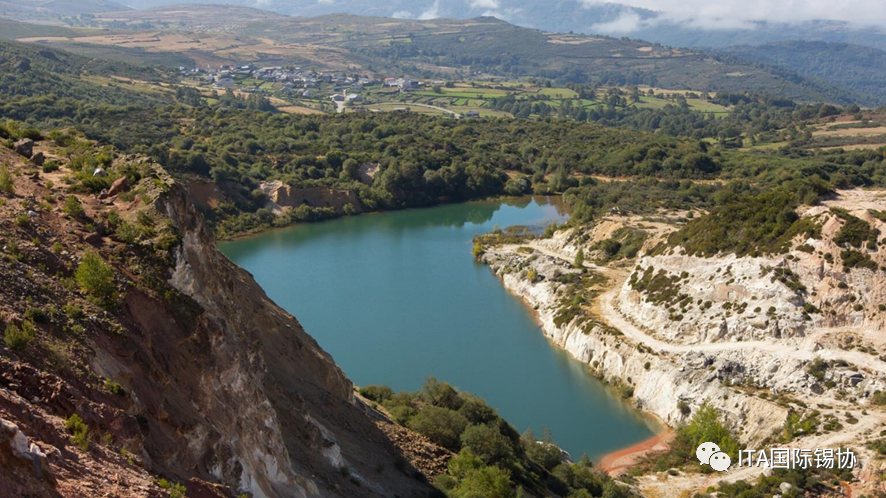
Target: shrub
(855, 259)
(476, 410)
(36, 315)
(114, 388)
(73, 311)
(706, 426)
(7, 183)
(441, 394)
(463, 464)
(175, 489)
(18, 338)
(378, 394)
(401, 407)
(73, 207)
(127, 232)
(50, 166)
(854, 231)
(488, 482)
(95, 277)
(487, 443)
(817, 368)
(441, 425)
(543, 452)
(79, 431)
(879, 398)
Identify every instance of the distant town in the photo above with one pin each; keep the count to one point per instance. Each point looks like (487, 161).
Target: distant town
(298, 85)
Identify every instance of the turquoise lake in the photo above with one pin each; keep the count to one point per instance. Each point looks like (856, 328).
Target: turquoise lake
(397, 297)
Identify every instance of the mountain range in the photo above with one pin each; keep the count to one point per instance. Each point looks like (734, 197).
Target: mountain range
(579, 16)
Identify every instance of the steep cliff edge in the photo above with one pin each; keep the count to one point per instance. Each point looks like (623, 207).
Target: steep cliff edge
(184, 370)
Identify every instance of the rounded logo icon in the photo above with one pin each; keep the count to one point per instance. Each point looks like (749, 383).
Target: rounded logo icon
(720, 461)
(704, 452)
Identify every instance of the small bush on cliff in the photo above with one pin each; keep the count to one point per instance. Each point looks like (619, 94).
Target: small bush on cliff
(19, 338)
(174, 489)
(95, 277)
(379, 394)
(79, 431)
(37, 315)
(817, 368)
(7, 183)
(73, 207)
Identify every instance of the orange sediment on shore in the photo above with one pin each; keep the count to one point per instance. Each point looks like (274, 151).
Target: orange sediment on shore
(626, 458)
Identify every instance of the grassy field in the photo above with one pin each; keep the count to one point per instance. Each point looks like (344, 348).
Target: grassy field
(477, 96)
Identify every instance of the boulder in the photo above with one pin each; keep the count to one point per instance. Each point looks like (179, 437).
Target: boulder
(785, 487)
(18, 442)
(24, 147)
(93, 239)
(855, 379)
(38, 159)
(120, 185)
(99, 172)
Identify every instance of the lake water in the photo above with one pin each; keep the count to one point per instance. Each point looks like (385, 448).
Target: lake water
(396, 297)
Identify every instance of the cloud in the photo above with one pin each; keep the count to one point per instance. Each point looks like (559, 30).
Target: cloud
(731, 14)
(433, 11)
(489, 5)
(625, 23)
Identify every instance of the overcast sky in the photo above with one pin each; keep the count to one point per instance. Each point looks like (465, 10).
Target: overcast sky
(732, 13)
(710, 14)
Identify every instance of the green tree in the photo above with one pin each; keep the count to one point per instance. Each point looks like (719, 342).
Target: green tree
(441, 425)
(95, 277)
(486, 482)
(441, 394)
(706, 426)
(579, 259)
(543, 452)
(487, 443)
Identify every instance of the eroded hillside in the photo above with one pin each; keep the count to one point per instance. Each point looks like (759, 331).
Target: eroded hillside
(786, 342)
(135, 351)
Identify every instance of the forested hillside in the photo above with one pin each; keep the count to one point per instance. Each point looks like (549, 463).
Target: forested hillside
(239, 144)
(442, 48)
(861, 69)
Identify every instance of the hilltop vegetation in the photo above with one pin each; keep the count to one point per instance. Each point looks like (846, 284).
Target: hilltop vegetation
(239, 143)
(438, 48)
(855, 67)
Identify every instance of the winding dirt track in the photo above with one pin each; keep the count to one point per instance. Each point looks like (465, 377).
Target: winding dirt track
(804, 350)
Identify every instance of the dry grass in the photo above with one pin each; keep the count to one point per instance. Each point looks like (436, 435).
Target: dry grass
(851, 132)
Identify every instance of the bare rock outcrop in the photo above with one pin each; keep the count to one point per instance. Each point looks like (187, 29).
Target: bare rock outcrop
(24, 147)
(285, 197)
